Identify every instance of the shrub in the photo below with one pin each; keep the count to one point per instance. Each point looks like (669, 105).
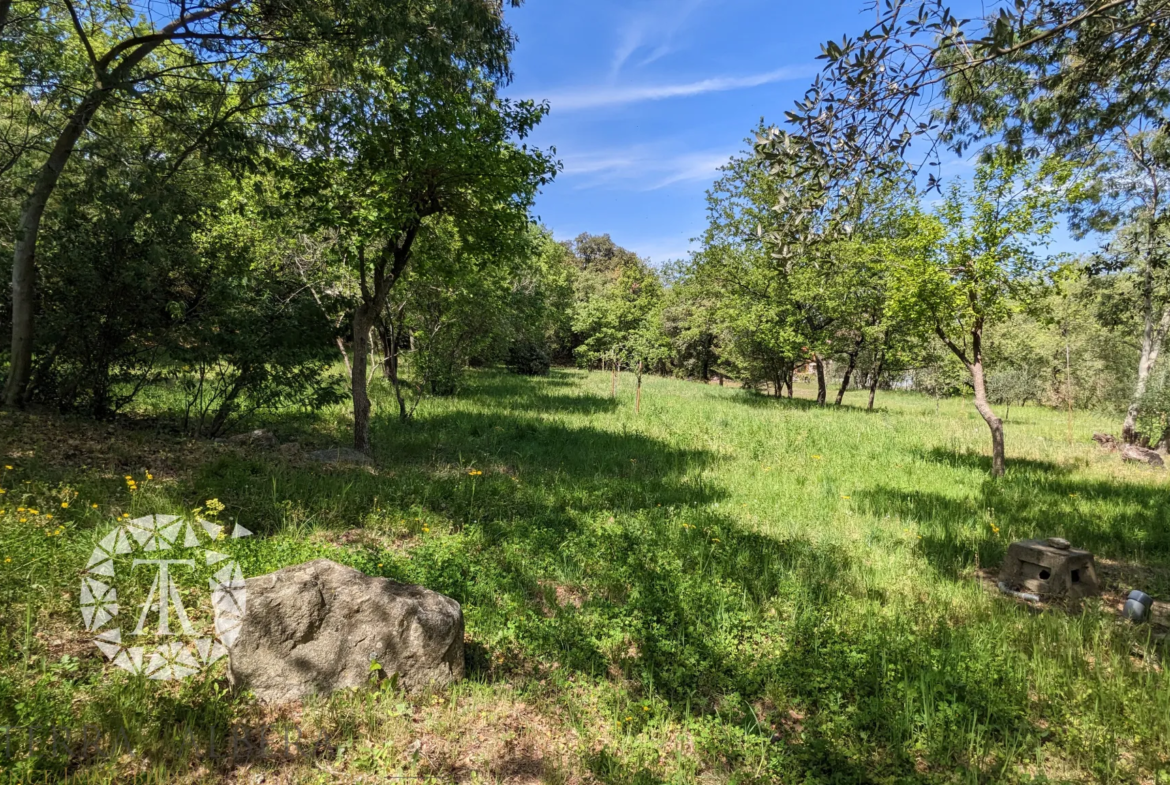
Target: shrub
(528, 358)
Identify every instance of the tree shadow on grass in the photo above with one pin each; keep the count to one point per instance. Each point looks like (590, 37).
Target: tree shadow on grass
(967, 459)
(626, 526)
(1119, 520)
(759, 401)
(589, 553)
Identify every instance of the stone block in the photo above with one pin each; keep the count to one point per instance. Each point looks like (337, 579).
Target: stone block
(1050, 568)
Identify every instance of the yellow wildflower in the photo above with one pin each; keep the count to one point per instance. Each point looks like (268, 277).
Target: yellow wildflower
(94, 506)
(9, 468)
(64, 505)
(149, 476)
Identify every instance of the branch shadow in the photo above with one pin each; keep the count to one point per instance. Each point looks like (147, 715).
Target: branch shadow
(1127, 522)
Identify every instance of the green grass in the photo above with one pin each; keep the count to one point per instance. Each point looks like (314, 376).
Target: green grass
(725, 587)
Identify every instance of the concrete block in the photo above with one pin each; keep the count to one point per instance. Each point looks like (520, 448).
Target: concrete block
(1050, 568)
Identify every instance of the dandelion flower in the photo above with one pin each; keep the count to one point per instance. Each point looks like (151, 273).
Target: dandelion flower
(816, 457)
(64, 505)
(94, 506)
(3, 491)
(846, 497)
(9, 468)
(149, 476)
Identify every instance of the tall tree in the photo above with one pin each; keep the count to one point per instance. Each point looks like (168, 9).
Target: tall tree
(1127, 195)
(392, 148)
(978, 262)
(151, 56)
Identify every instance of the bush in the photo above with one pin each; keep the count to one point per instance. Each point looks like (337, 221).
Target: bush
(528, 358)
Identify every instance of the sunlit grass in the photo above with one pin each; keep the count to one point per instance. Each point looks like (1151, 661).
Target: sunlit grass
(725, 585)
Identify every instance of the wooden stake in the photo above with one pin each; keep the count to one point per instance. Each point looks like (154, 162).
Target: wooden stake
(1068, 388)
(638, 392)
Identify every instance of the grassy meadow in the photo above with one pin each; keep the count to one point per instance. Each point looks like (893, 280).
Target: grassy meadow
(725, 588)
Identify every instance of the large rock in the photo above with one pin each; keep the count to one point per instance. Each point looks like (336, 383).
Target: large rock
(316, 628)
(1106, 441)
(257, 438)
(1134, 454)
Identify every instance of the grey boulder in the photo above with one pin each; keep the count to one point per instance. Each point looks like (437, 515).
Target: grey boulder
(1134, 454)
(317, 627)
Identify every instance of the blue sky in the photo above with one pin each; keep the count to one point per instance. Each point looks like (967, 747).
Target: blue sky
(650, 97)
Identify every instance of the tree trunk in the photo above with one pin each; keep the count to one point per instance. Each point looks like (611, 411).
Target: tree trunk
(1152, 338)
(613, 381)
(848, 376)
(822, 388)
(877, 375)
(638, 391)
(974, 365)
(362, 322)
(28, 226)
(389, 351)
(993, 423)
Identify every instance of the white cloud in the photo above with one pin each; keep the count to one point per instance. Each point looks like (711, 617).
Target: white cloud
(654, 29)
(576, 99)
(643, 168)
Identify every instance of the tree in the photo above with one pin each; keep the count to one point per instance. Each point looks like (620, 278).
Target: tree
(976, 261)
(155, 57)
(394, 148)
(1063, 75)
(618, 316)
(1127, 196)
